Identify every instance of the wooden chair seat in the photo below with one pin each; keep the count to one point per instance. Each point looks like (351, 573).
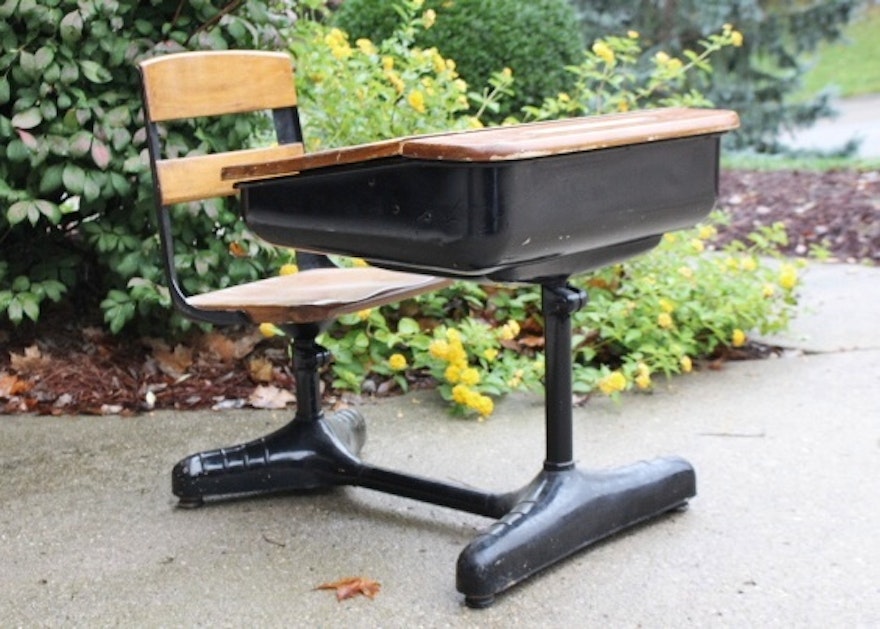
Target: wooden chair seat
(317, 294)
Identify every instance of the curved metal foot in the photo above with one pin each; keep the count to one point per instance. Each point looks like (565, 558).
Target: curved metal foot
(561, 512)
(304, 454)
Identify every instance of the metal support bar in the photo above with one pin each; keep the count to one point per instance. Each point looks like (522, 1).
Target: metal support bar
(559, 302)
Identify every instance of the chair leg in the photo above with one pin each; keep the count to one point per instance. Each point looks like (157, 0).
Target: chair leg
(310, 452)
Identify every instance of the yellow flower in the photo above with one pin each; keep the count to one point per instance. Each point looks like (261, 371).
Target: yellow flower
(288, 269)
(483, 405)
(457, 355)
(748, 264)
(738, 339)
(666, 305)
(452, 374)
(366, 46)
(661, 58)
(697, 245)
(359, 263)
(429, 18)
(788, 276)
(439, 348)
(490, 354)
(395, 81)
(338, 43)
(632, 34)
(509, 331)
(768, 291)
(664, 320)
(670, 237)
(416, 100)
(269, 330)
(614, 382)
(364, 314)
(507, 73)
(470, 376)
(686, 272)
(453, 335)
(397, 362)
(736, 38)
(707, 232)
(604, 52)
(686, 364)
(388, 64)
(643, 381)
(674, 64)
(623, 106)
(461, 393)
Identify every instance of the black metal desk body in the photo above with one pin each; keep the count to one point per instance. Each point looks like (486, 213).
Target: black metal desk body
(533, 221)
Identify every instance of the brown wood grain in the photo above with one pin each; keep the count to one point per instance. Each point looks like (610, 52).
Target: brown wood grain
(523, 141)
(193, 84)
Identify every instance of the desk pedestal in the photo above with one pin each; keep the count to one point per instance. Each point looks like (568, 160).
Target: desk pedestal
(563, 510)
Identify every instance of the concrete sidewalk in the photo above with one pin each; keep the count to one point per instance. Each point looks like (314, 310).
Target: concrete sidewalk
(783, 532)
(856, 119)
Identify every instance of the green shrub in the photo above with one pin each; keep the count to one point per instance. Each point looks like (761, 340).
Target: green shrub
(535, 39)
(762, 80)
(659, 313)
(76, 208)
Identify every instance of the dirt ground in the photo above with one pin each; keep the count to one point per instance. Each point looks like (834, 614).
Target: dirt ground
(66, 367)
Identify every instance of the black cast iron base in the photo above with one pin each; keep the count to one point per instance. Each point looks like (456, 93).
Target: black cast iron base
(557, 514)
(563, 510)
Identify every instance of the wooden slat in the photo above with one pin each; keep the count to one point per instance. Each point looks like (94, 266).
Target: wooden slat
(524, 141)
(192, 84)
(572, 135)
(198, 177)
(318, 294)
(318, 159)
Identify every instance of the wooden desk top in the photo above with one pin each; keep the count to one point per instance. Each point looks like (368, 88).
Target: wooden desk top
(515, 142)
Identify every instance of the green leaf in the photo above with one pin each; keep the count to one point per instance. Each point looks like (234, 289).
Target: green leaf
(80, 143)
(17, 212)
(50, 210)
(51, 179)
(71, 27)
(27, 119)
(73, 178)
(100, 154)
(4, 90)
(95, 72)
(43, 58)
(408, 327)
(8, 8)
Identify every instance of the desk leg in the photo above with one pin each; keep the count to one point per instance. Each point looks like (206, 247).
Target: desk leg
(565, 508)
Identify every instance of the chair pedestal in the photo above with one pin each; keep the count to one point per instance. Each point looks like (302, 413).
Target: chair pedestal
(564, 509)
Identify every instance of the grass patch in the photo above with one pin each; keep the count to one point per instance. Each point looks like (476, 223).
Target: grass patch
(761, 161)
(853, 64)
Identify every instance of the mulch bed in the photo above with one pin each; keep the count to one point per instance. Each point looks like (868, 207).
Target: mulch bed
(72, 367)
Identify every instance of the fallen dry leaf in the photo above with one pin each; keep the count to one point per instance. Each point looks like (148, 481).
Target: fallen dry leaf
(351, 587)
(261, 370)
(10, 385)
(270, 397)
(228, 349)
(31, 359)
(174, 362)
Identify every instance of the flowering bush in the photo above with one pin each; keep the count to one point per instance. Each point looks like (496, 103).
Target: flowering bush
(656, 314)
(410, 90)
(614, 76)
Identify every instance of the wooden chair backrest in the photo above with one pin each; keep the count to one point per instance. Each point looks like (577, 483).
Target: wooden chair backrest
(213, 83)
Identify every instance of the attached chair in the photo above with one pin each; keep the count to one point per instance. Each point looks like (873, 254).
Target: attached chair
(442, 198)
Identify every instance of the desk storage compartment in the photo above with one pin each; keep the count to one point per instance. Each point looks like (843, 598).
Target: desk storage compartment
(516, 220)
